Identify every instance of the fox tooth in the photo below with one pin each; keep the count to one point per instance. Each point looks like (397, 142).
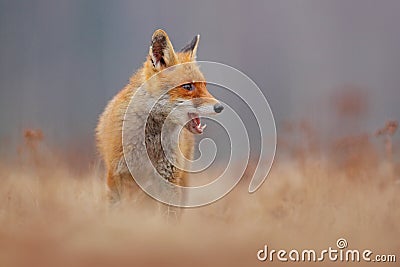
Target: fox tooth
(199, 126)
(204, 126)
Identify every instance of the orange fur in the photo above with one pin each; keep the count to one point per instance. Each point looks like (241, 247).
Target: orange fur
(109, 128)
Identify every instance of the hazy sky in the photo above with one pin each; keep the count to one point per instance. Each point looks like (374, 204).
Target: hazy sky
(61, 61)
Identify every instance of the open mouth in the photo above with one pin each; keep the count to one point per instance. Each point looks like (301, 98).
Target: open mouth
(194, 124)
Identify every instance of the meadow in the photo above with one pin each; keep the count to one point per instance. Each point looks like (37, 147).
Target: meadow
(55, 215)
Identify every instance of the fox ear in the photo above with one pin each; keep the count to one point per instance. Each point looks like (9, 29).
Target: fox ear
(161, 52)
(192, 47)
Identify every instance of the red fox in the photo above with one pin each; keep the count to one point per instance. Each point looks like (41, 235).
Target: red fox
(190, 100)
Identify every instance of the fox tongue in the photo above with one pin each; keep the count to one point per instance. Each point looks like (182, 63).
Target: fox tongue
(197, 124)
(197, 121)
(199, 128)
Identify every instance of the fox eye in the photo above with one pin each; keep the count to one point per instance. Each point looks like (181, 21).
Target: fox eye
(188, 86)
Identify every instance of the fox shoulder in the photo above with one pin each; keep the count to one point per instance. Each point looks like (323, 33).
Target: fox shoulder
(109, 127)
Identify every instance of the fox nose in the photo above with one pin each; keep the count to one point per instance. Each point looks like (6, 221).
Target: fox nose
(218, 108)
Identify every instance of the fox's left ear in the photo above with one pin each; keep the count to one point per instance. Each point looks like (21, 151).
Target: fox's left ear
(192, 47)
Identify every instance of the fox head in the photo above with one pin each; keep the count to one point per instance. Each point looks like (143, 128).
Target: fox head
(177, 82)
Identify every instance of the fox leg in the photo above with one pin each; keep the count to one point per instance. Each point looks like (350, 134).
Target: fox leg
(120, 186)
(123, 189)
(113, 194)
(173, 213)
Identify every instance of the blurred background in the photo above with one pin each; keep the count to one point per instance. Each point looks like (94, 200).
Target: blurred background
(61, 61)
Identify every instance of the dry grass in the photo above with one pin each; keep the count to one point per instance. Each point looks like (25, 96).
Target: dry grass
(52, 215)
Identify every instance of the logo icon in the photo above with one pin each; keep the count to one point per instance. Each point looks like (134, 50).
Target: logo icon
(259, 150)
